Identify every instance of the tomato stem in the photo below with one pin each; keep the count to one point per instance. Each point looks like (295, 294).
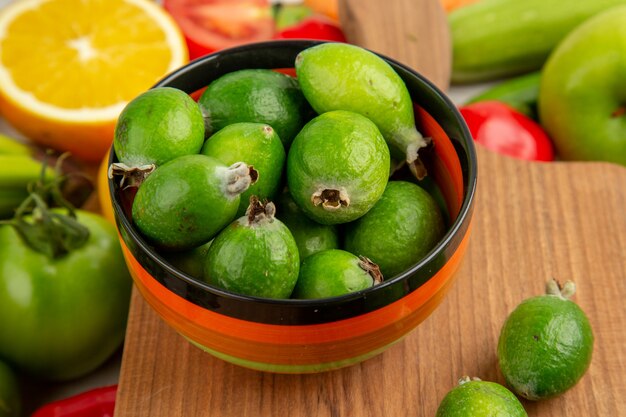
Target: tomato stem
(43, 230)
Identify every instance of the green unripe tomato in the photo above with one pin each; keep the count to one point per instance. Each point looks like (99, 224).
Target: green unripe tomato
(403, 226)
(187, 201)
(255, 255)
(334, 272)
(61, 318)
(337, 167)
(157, 126)
(259, 146)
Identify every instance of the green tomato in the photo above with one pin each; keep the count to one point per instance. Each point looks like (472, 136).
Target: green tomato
(10, 401)
(62, 318)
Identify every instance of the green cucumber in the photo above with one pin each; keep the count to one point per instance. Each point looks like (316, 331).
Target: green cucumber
(519, 92)
(498, 38)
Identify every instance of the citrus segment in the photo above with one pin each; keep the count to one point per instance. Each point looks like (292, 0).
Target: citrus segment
(68, 67)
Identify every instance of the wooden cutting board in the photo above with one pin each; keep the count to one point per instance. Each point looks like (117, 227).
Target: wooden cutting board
(532, 222)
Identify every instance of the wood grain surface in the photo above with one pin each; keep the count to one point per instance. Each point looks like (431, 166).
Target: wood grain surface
(532, 222)
(414, 32)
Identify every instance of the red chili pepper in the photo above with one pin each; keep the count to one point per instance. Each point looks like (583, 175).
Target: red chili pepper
(503, 129)
(312, 28)
(98, 402)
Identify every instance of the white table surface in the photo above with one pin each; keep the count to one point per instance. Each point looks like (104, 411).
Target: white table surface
(36, 393)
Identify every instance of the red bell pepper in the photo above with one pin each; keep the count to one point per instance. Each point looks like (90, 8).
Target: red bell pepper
(503, 129)
(98, 402)
(312, 28)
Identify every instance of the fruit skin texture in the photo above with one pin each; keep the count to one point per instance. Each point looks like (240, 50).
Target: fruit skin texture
(184, 203)
(257, 96)
(339, 76)
(158, 126)
(258, 145)
(310, 236)
(480, 399)
(343, 151)
(331, 273)
(497, 38)
(62, 318)
(581, 97)
(254, 256)
(545, 347)
(403, 226)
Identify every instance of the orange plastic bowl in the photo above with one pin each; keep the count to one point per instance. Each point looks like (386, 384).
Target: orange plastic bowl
(298, 336)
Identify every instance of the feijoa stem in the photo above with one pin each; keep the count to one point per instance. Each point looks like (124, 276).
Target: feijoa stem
(259, 212)
(371, 268)
(131, 176)
(465, 379)
(565, 291)
(330, 199)
(239, 177)
(411, 141)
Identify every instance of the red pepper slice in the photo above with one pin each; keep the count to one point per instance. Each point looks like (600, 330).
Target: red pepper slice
(98, 402)
(313, 28)
(503, 129)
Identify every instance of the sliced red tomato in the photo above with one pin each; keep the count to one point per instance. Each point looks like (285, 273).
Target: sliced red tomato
(211, 25)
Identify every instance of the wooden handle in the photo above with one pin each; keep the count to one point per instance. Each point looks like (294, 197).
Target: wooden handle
(414, 32)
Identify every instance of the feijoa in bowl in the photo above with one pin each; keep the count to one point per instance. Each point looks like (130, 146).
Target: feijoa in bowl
(312, 335)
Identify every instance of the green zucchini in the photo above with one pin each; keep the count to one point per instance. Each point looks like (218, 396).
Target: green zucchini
(520, 92)
(499, 38)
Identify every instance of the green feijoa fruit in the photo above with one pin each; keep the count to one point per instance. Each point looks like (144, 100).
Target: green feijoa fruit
(476, 398)
(157, 126)
(545, 344)
(337, 167)
(403, 226)
(259, 96)
(189, 261)
(186, 201)
(340, 76)
(335, 272)
(258, 145)
(255, 255)
(310, 236)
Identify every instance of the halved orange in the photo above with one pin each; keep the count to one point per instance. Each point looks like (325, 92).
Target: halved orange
(68, 67)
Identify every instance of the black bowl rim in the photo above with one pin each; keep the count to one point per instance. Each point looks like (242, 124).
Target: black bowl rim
(459, 225)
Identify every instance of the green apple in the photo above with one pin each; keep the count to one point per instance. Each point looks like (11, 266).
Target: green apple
(582, 96)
